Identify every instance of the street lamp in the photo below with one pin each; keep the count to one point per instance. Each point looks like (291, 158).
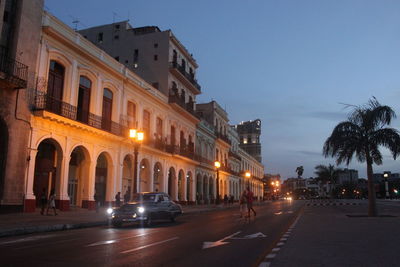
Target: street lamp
(137, 139)
(248, 176)
(217, 165)
(386, 175)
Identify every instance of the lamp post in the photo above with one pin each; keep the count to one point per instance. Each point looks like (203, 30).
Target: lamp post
(386, 175)
(248, 176)
(217, 165)
(137, 139)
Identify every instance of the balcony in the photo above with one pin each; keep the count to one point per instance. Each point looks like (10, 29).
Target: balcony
(189, 77)
(44, 102)
(12, 73)
(189, 106)
(234, 155)
(223, 137)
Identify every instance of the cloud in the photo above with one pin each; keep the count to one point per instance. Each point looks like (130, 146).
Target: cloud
(309, 153)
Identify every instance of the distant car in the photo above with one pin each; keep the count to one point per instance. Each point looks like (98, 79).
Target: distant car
(145, 208)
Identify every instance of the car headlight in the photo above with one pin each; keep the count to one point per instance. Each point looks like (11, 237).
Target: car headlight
(109, 210)
(140, 209)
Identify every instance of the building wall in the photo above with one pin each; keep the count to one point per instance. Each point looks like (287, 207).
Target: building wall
(14, 111)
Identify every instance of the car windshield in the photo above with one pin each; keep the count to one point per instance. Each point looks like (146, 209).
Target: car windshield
(144, 197)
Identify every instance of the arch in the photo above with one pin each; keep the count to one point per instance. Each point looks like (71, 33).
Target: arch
(189, 186)
(103, 178)
(3, 154)
(171, 183)
(78, 175)
(199, 187)
(144, 176)
(181, 185)
(47, 168)
(158, 180)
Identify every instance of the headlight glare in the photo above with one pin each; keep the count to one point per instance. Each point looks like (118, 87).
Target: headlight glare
(109, 210)
(140, 209)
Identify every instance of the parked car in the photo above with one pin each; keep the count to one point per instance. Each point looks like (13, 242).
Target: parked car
(145, 208)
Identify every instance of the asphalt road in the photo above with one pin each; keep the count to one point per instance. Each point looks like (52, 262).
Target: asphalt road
(217, 238)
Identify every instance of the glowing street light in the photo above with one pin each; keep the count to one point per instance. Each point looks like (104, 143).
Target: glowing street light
(137, 138)
(217, 165)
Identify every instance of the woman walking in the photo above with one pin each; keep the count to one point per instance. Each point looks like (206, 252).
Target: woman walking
(52, 202)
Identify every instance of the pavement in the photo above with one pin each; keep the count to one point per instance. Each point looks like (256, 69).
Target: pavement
(340, 235)
(27, 223)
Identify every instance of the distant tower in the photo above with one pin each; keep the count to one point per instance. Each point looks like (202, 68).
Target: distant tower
(249, 133)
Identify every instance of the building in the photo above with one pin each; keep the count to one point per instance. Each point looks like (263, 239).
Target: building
(20, 24)
(156, 56)
(348, 176)
(249, 133)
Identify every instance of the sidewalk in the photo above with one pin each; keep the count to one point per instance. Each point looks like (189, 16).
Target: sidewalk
(27, 223)
(327, 236)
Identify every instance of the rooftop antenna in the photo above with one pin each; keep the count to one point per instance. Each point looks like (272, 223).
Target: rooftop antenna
(76, 21)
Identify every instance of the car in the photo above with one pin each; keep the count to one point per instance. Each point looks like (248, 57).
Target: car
(146, 207)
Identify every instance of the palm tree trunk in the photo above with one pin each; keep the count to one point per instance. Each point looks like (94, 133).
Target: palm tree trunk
(372, 211)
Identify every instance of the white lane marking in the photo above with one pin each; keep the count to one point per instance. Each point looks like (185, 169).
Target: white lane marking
(26, 239)
(280, 244)
(220, 242)
(278, 213)
(270, 256)
(259, 234)
(283, 239)
(149, 245)
(276, 249)
(108, 242)
(264, 264)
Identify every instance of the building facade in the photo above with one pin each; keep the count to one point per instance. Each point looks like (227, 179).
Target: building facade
(20, 24)
(249, 133)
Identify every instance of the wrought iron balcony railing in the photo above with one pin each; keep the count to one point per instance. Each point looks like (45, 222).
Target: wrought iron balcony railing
(188, 76)
(13, 71)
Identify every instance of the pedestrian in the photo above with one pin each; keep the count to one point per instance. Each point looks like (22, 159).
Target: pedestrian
(243, 202)
(52, 202)
(225, 199)
(118, 199)
(250, 198)
(43, 201)
(127, 195)
(232, 199)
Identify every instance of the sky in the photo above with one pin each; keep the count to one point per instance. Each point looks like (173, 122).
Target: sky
(293, 64)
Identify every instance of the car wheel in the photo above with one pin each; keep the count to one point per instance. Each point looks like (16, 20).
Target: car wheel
(149, 221)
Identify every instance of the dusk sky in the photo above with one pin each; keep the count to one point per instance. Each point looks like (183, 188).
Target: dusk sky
(289, 63)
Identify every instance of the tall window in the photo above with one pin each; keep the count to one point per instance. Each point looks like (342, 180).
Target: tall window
(159, 125)
(107, 109)
(131, 115)
(83, 99)
(55, 86)
(146, 124)
(173, 140)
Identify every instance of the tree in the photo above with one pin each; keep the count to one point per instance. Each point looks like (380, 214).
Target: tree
(299, 171)
(362, 135)
(327, 174)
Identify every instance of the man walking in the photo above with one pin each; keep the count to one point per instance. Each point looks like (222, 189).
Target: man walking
(250, 198)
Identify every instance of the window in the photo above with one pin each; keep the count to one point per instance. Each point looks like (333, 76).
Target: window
(131, 112)
(100, 37)
(135, 55)
(155, 57)
(107, 109)
(117, 59)
(155, 85)
(146, 124)
(55, 87)
(116, 37)
(159, 125)
(126, 61)
(117, 26)
(83, 99)
(155, 45)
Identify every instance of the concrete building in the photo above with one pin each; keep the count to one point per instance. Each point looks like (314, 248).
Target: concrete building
(249, 133)
(20, 24)
(156, 56)
(348, 176)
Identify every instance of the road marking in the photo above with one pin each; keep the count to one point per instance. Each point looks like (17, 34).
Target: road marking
(276, 249)
(259, 234)
(149, 245)
(270, 256)
(264, 264)
(280, 244)
(108, 242)
(218, 242)
(47, 244)
(278, 213)
(26, 239)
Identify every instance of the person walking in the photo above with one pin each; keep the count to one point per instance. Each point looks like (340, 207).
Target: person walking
(250, 198)
(118, 199)
(127, 195)
(52, 203)
(43, 201)
(243, 203)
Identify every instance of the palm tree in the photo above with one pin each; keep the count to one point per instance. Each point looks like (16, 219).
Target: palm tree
(362, 134)
(299, 171)
(327, 174)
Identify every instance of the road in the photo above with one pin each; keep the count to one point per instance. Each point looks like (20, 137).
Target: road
(216, 238)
